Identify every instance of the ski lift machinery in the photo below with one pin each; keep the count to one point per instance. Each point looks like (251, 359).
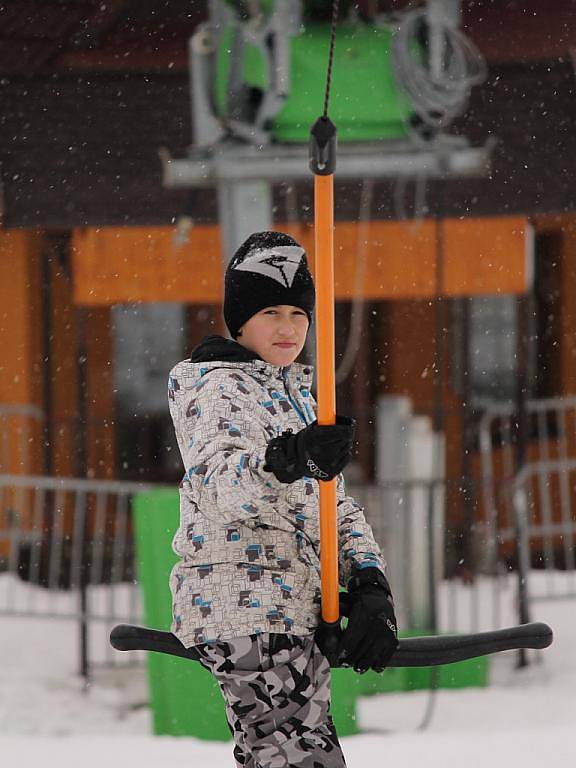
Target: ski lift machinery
(238, 152)
(254, 77)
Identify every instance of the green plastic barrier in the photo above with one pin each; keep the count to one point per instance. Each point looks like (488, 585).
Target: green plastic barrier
(185, 699)
(365, 102)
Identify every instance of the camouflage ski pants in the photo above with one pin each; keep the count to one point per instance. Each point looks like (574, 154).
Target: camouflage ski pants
(277, 693)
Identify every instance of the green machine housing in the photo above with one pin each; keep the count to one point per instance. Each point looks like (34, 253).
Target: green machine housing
(366, 104)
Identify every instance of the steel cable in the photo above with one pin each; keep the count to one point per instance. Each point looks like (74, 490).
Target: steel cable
(335, 5)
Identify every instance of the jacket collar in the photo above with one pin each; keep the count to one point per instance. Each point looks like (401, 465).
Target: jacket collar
(218, 352)
(219, 349)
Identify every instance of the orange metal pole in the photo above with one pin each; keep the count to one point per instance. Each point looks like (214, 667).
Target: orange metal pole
(325, 355)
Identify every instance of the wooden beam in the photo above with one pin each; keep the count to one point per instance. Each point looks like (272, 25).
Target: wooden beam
(482, 256)
(486, 256)
(115, 265)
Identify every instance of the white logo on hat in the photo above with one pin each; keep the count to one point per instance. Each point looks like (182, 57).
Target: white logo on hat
(280, 263)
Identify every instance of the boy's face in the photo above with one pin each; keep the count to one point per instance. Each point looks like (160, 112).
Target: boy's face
(277, 334)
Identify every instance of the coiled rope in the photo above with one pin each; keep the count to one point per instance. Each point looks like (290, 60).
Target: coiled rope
(437, 100)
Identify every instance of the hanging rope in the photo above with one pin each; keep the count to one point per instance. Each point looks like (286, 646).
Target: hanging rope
(335, 5)
(357, 311)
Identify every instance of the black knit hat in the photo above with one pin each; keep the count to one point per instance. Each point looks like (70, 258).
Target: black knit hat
(268, 269)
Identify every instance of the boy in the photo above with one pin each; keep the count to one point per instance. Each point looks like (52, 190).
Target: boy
(246, 590)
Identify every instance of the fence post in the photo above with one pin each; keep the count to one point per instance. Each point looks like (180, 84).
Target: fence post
(522, 437)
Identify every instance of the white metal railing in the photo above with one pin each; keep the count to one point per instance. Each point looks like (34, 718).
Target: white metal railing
(67, 548)
(66, 552)
(545, 510)
(533, 509)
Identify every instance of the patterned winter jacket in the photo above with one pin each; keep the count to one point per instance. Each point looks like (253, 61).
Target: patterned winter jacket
(248, 545)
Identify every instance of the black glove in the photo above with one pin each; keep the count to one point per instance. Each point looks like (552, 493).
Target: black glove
(316, 451)
(371, 637)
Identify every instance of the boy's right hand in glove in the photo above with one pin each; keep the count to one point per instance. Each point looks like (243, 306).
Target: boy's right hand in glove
(371, 637)
(316, 451)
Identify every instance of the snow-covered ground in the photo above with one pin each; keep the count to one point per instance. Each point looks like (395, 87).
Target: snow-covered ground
(525, 718)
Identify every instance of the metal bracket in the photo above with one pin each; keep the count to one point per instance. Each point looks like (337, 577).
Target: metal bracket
(227, 162)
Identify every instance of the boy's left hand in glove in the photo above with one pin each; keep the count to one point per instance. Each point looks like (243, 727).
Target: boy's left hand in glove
(371, 637)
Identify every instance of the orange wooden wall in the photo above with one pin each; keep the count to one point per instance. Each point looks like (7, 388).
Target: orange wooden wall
(21, 363)
(24, 372)
(112, 265)
(21, 367)
(100, 407)
(62, 368)
(566, 225)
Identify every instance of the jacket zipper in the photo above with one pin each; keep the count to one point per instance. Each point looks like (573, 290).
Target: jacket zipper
(291, 400)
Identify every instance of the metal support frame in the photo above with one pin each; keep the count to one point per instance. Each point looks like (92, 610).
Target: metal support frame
(244, 207)
(245, 204)
(229, 162)
(440, 14)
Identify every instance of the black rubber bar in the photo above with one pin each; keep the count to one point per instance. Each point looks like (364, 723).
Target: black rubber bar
(412, 651)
